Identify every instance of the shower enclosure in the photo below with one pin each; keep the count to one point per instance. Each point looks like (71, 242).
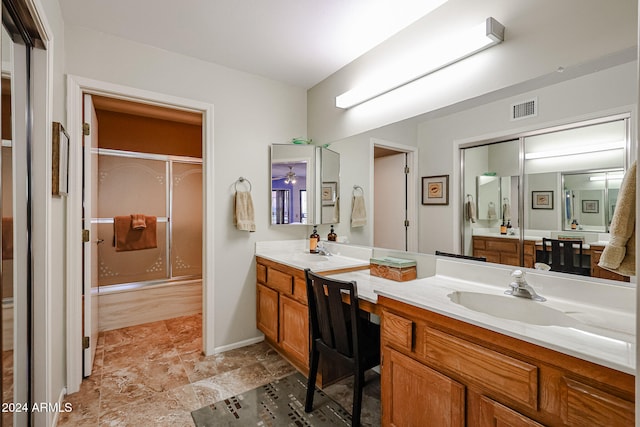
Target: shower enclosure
(167, 187)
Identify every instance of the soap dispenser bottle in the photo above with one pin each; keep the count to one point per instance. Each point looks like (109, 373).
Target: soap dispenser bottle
(503, 228)
(314, 238)
(332, 236)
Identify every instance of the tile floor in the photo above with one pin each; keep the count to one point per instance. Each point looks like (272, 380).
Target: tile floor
(154, 375)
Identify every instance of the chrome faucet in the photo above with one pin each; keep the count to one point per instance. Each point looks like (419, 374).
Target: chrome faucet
(322, 250)
(520, 287)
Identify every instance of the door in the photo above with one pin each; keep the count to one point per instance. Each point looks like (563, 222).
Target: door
(90, 255)
(390, 202)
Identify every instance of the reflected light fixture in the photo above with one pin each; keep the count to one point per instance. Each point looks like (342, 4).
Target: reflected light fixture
(291, 176)
(438, 56)
(576, 150)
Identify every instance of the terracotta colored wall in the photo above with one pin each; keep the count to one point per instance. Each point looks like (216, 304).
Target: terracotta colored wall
(142, 134)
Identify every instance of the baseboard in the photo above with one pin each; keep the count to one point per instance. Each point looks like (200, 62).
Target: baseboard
(238, 344)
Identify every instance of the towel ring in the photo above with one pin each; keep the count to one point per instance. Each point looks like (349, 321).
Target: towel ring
(356, 188)
(242, 180)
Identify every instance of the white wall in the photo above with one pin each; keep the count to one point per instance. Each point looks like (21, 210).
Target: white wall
(250, 113)
(540, 36)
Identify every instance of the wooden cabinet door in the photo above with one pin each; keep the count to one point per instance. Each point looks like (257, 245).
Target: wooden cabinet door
(494, 414)
(267, 311)
(294, 329)
(416, 395)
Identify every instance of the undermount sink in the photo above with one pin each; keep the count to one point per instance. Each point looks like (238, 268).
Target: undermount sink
(513, 308)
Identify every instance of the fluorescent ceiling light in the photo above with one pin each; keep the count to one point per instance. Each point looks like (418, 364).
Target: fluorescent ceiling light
(438, 56)
(609, 177)
(575, 150)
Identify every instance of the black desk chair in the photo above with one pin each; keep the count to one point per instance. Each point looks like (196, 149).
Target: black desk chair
(338, 330)
(564, 255)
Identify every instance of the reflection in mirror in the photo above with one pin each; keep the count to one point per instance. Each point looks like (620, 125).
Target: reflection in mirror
(571, 182)
(590, 199)
(330, 188)
(292, 180)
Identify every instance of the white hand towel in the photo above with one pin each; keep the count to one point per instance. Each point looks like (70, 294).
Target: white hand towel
(619, 254)
(358, 212)
(491, 211)
(506, 212)
(470, 210)
(243, 215)
(336, 211)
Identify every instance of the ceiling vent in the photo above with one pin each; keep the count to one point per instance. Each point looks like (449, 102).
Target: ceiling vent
(524, 109)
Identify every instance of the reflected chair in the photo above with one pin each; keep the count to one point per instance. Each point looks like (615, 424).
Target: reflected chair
(469, 257)
(339, 332)
(564, 255)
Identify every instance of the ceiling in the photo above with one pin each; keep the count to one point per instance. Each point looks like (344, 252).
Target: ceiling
(299, 42)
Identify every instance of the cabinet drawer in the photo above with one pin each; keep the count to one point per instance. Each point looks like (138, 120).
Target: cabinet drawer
(490, 256)
(503, 245)
(397, 330)
(584, 405)
(493, 371)
(478, 243)
(300, 289)
(261, 273)
(279, 281)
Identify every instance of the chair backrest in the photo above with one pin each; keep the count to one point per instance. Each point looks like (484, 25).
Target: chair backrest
(562, 254)
(450, 255)
(334, 323)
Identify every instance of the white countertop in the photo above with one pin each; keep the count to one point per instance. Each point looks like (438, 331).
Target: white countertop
(295, 253)
(601, 313)
(605, 336)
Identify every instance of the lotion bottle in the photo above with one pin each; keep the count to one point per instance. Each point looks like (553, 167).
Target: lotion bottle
(314, 238)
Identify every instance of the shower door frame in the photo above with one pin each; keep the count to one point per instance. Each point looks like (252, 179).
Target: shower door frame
(76, 87)
(170, 160)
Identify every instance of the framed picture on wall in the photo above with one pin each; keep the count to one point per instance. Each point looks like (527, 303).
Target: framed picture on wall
(60, 161)
(591, 206)
(542, 200)
(435, 190)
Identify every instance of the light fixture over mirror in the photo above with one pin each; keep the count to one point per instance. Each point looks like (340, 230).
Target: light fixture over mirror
(430, 58)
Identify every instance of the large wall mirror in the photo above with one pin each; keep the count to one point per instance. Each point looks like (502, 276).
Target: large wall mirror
(554, 184)
(305, 184)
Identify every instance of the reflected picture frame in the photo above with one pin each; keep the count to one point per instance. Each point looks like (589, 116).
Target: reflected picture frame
(542, 199)
(328, 193)
(435, 190)
(591, 206)
(59, 160)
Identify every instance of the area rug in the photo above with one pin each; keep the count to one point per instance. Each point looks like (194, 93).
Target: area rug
(277, 404)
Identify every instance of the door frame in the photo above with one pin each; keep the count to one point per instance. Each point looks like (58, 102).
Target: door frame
(76, 87)
(412, 188)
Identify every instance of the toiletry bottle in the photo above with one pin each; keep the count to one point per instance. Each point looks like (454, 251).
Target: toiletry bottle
(313, 240)
(332, 236)
(509, 224)
(503, 228)
(574, 224)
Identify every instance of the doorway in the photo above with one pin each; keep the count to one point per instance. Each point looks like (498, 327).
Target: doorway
(77, 87)
(394, 201)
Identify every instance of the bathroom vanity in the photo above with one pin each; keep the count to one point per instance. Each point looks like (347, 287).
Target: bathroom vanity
(457, 351)
(281, 301)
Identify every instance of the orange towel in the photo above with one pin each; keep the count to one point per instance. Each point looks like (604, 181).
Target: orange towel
(128, 239)
(138, 222)
(7, 238)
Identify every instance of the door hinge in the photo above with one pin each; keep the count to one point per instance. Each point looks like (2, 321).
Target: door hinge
(86, 129)
(86, 235)
(406, 170)
(406, 222)
(86, 341)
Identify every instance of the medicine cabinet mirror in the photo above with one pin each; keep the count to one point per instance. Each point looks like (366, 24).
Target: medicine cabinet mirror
(305, 185)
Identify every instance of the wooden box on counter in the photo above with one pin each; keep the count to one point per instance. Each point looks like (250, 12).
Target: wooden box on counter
(397, 269)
